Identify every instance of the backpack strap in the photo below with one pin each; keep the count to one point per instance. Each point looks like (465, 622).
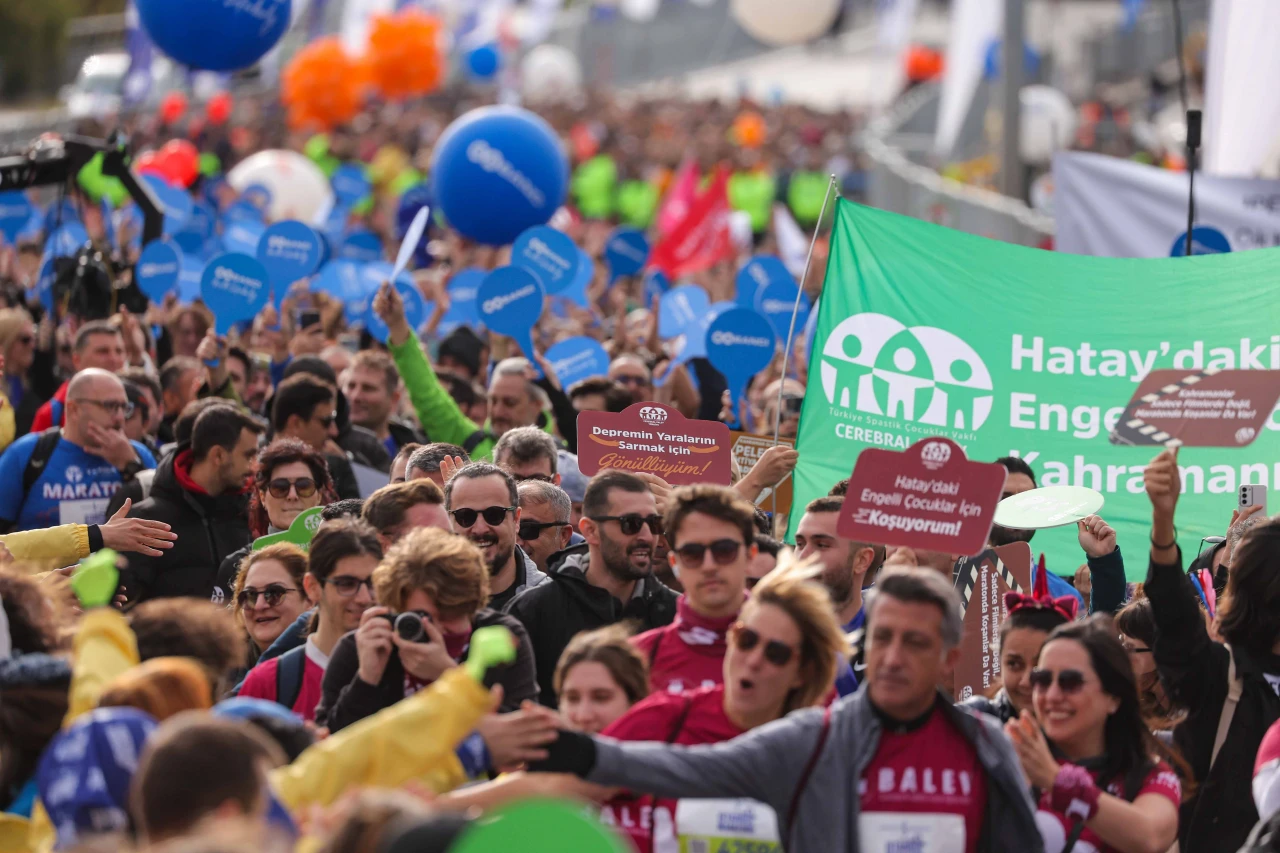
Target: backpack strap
(808, 768)
(678, 726)
(1235, 687)
(289, 674)
(36, 463)
(473, 441)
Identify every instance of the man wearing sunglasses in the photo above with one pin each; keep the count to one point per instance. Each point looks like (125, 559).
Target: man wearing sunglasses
(484, 506)
(607, 579)
(304, 408)
(711, 534)
(80, 467)
(544, 521)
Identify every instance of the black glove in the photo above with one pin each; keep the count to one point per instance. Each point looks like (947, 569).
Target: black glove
(571, 752)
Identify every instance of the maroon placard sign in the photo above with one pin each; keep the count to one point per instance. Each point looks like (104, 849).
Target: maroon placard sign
(982, 582)
(650, 438)
(928, 496)
(1199, 408)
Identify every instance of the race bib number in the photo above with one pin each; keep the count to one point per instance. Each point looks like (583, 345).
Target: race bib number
(726, 826)
(909, 832)
(83, 512)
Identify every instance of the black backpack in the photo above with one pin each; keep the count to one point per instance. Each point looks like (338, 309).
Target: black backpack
(40, 454)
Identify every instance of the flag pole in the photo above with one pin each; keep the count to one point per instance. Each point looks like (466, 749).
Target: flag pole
(795, 309)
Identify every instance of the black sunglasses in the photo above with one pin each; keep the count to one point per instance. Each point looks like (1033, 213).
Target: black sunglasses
(631, 523)
(305, 486)
(1069, 680)
(776, 652)
(723, 552)
(327, 420)
(273, 593)
(530, 530)
(541, 478)
(347, 586)
(493, 515)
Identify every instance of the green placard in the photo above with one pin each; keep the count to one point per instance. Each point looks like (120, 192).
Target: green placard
(299, 533)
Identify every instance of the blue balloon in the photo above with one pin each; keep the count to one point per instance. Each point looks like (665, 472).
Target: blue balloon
(66, 241)
(740, 343)
(175, 203)
(416, 309)
(215, 35)
(159, 268)
(243, 236)
(497, 171)
(483, 62)
(363, 246)
(575, 359)
(350, 184)
(510, 301)
(680, 310)
(656, 283)
(199, 229)
(289, 251)
(757, 274)
(189, 279)
(463, 310)
(235, 288)
(550, 255)
(15, 212)
(626, 251)
(777, 302)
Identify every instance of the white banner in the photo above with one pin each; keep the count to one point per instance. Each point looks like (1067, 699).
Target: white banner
(1241, 111)
(1120, 209)
(974, 24)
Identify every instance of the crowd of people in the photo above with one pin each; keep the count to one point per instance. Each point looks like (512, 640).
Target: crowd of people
(470, 620)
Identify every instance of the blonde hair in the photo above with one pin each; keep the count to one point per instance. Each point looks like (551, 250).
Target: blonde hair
(12, 322)
(162, 687)
(793, 587)
(447, 567)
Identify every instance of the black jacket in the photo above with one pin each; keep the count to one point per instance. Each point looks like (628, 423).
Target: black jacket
(403, 433)
(346, 699)
(364, 447)
(1193, 669)
(208, 528)
(565, 604)
(344, 477)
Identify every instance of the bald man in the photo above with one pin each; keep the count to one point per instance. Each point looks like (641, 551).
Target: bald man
(67, 475)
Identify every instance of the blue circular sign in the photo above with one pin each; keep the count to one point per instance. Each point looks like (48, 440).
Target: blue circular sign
(243, 236)
(362, 245)
(740, 343)
(626, 251)
(681, 310)
(350, 184)
(235, 288)
(189, 279)
(344, 280)
(158, 269)
(15, 212)
(175, 203)
(550, 255)
(289, 251)
(416, 309)
(198, 230)
(463, 310)
(510, 301)
(575, 359)
(1205, 240)
(757, 274)
(778, 301)
(656, 283)
(215, 35)
(241, 211)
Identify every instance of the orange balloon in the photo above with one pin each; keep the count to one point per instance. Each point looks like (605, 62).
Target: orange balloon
(923, 63)
(322, 86)
(749, 130)
(404, 54)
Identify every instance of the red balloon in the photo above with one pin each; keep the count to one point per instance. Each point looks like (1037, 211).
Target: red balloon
(180, 162)
(148, 163)
(218, 110)
(172, 107)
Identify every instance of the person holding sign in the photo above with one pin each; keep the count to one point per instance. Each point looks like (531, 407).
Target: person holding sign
(894, 767)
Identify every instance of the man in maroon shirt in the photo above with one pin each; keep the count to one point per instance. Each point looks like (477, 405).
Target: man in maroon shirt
(711, 531)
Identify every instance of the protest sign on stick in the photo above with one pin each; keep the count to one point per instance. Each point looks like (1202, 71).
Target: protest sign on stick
(1199, 408)
(982, 582)
(655, 439)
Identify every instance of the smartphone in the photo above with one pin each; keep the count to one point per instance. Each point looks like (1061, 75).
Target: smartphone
(1252, 495)
(306, 319)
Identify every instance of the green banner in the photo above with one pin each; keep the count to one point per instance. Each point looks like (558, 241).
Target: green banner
(1011, 351)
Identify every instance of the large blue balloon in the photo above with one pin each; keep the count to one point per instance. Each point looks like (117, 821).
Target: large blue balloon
(215, 35)
(497, 171)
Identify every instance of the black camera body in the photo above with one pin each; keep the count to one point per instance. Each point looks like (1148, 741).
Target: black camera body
(91, 285)
(408, 625)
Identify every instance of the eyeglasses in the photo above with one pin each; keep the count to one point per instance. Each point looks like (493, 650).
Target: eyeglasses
(1133, 650)
(113, 407)
(631, 380)
(327, 420)
(541, 478)
(776, 652)
(305, 486)
(1069, 680)
(493, 515)
(347, 586)
(272, 593)
(530, 530)
(631, 523)
(723, 552)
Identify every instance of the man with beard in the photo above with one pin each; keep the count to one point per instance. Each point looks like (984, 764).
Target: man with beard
(607, 579)
(484, 506)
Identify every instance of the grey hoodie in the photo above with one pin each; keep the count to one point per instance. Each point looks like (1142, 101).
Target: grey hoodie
(769, 764)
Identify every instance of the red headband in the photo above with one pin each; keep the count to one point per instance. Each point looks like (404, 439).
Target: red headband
(1040, 599)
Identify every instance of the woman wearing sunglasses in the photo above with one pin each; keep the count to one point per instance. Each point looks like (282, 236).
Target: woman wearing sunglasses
(290, 477)
(1103, 781)
(1137, 629)
(268, 594)
(782, 654)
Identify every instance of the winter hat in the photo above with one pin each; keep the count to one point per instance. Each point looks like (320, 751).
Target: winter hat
(85, 773)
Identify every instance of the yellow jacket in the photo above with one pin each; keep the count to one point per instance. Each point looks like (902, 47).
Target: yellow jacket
(49, 547)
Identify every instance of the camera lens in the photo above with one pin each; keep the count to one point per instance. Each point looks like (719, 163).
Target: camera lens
(409, 628)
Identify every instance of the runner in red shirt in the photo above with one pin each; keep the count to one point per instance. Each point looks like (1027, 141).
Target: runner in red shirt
(342, 558)
(711, 531)
(1103, 786)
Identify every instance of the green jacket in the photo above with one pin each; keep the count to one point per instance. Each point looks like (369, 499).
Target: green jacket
(437, 412)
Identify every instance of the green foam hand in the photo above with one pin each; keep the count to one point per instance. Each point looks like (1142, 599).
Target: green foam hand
(95, 581)
(489, 647)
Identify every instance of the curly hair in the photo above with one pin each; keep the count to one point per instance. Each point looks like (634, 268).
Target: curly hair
(283, 451)
(447, 567)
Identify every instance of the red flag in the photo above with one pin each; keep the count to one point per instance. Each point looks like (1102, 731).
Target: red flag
(702, 238)
(680, 198)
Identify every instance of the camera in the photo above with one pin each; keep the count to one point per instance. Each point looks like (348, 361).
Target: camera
(408, 626)
(91, 285)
